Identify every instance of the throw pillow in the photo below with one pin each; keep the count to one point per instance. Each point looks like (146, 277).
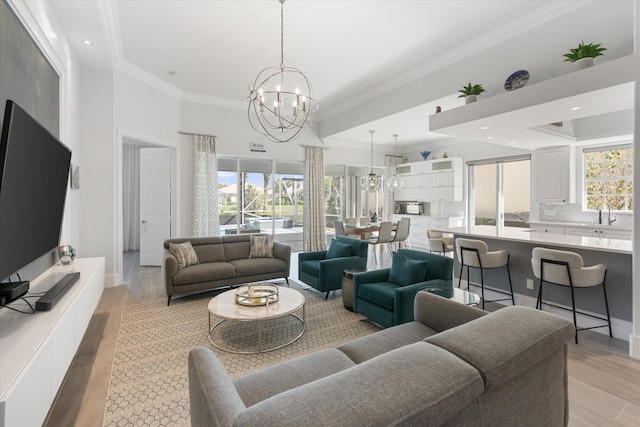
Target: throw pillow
(405, 271)
(261, 247)
(338, 250)
(184, 253)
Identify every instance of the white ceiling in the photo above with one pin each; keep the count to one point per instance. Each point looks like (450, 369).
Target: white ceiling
(348, 49)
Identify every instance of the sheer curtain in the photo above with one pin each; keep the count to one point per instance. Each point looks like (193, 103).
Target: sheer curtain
(205, 217)
(388, 204)
(131, 196)
(315, 237)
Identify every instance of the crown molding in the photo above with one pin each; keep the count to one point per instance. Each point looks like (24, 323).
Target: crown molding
(519, 25)
(213, 100)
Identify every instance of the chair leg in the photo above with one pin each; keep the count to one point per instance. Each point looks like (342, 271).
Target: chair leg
(482, 285)
(606, 305)
(513, 301)
(573, 307)
(287, 279)
(539, 300)
(169, 301)
(327, 295)
(460, 276)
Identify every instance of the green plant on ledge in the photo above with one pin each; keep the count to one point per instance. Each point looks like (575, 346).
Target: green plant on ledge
(590, 50)
(470, 90)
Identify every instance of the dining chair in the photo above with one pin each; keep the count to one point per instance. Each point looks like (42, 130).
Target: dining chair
(384, 237)
(339, 227)
(401, 235)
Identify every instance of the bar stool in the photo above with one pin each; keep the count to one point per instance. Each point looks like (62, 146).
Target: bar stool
(438, 243)
(475, 254)
(564, 268)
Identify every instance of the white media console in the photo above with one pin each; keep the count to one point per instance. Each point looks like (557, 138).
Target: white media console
(37, 349)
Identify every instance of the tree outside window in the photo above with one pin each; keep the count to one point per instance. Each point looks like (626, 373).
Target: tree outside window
(609, 178)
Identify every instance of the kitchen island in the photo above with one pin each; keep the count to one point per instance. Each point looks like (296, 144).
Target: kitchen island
(615, 254)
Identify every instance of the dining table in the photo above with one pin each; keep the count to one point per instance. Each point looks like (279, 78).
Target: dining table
(364, 229)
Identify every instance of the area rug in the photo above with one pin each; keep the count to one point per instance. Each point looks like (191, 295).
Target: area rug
(149, 380)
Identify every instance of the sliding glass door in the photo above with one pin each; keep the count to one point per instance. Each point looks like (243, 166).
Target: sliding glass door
(499, 192)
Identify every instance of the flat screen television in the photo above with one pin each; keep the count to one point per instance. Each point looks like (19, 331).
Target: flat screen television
(34, 172)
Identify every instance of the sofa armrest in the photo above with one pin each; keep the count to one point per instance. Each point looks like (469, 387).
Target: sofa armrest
(405, 296)
(332, 269)
(440, 314)
(283, 252)
(213, 398)
(372, 276)
(313, 255)
(519, 338)
(170, 270)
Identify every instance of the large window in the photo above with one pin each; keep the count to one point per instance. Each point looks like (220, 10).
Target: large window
(608, 177)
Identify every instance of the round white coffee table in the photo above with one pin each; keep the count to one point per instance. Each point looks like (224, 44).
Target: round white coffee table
(224, 307)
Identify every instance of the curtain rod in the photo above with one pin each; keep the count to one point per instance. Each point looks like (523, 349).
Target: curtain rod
(191, 133)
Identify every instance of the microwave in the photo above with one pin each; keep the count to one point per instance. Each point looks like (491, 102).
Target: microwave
(414, 208)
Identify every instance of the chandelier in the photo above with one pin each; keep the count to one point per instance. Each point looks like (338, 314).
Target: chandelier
(372, 183)
(393, 182)
(280, 99)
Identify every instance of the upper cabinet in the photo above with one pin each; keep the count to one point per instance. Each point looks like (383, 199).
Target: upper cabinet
(431, 180)
(553, 175)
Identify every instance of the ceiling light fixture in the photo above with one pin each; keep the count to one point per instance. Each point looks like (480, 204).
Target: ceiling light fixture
(484, 128)
(393, 183)
(87, 42)
(373, 182)
(576, 108)
(280, 99)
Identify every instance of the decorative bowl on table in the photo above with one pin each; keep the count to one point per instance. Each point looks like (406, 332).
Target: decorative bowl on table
(257, 295)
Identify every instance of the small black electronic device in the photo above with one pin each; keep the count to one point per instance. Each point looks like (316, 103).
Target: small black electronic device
(53, 295)
(13, 290)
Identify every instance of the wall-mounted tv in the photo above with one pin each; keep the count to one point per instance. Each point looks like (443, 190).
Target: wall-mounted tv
(34, 171)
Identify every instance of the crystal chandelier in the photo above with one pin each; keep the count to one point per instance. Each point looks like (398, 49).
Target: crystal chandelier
(393, 182)
(280, 99)
(372, 183)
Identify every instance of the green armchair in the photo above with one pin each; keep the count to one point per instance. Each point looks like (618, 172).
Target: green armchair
(386, 296)
(323, 269)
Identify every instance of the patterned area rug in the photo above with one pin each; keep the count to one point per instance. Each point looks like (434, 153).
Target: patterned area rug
(149, 380)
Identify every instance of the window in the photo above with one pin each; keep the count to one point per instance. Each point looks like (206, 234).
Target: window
(608, 177)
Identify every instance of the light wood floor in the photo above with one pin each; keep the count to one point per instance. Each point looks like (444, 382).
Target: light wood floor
(604, 382)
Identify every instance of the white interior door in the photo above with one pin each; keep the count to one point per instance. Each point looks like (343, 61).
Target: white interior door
(155, 203)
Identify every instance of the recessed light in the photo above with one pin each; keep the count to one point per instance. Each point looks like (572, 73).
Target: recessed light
(484, 128)
(576, 108)
(174, 73)
(513, 142)
(87, 42)
(489, 137)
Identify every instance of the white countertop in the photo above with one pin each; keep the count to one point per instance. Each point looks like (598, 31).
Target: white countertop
(525, 235)
(585, 225)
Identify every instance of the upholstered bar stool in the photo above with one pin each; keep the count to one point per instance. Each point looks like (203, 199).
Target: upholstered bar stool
(439, 243)
(564, 268)
(475, 254)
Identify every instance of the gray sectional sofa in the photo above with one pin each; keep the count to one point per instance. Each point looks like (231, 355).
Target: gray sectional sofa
(223, 261)
(454, 365)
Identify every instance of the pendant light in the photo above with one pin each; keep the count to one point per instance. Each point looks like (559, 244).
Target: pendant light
(393, 182)
(373, 182)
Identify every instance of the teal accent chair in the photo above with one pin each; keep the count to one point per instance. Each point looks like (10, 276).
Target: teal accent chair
(323, 272)
(386, 296)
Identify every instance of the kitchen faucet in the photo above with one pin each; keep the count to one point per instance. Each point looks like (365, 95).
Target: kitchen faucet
(609, 220)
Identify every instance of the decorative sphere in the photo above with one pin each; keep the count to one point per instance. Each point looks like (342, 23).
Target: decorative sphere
(66, 253)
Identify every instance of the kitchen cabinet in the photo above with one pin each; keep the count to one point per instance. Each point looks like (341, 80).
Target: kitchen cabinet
(420, 224)
(544, 228)
(553, 171)
(431, 180)
(607, 233)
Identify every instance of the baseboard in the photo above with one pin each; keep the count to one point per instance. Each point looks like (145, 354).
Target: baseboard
(621, 329)
(634, 346)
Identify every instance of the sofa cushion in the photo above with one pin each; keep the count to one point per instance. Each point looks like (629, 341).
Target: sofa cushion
(405, 271)
(254, 266)
(184, 254)
(261, 247)
(418, 384)
(204, 273)
(382, 294)
(338, 250)
(258, 386)
(370, 346)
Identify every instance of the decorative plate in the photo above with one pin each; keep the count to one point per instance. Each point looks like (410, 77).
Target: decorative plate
(517, 80)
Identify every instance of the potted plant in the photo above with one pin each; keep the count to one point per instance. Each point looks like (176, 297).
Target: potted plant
(470, 92)
(583, 55)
